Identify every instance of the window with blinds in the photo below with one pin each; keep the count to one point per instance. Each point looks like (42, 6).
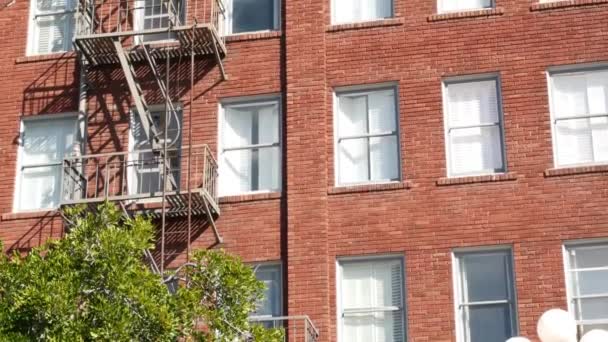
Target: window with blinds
(250, 153)
(44, 143)
(485, 296)
(444, 6)
(579, 110)
(52, 26)
(367, 143)
(271, 305)
(587, 284)
(371, 300)
(144, 168)
(350, 11)
(473, 122)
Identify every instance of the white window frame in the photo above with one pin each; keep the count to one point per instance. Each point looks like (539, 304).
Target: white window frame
(570, 69)
(457, 274)
(364, 91)
(441, 10)
(139, 18)
(20, 162)
(32, 36)
(571, 297)
(446, 123)
(279, 266)
(248, 101)
(227, 22)
(371, 258)
(334, 8)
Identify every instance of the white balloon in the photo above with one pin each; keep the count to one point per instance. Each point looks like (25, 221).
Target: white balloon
(556, 325)
(518, 339)
(595, 335)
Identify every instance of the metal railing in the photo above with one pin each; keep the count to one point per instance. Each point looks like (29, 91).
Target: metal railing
(134, 17)
(138, 175)
(296, 328)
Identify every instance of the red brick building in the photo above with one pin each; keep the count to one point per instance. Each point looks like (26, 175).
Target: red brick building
(402, 170)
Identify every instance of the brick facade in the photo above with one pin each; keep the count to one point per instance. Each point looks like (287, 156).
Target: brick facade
(533, 207)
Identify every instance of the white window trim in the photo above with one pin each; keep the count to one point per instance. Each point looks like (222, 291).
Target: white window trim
(440, 10)
(19, 164)
(568, 269)
(456, 288)
(248, 101)
(281, 272)
(334, 8)
(227, 24)
(370, 258)
(365, 90)
(569, 69)
(31, 31)
(501, 123)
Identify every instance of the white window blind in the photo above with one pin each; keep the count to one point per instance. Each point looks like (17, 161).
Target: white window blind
(144, 170)
(371, 296)
(367, 137)
(44, 144)
(474, 128)
(580, 117)
(349, 11)
(587, 275)
(463, 5)
(250, 148)
(52, 26)
(485, 296)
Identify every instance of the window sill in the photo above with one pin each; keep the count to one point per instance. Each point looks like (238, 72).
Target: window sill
(365, 24)
(485, 12)
(500, 177)
(239, 37)
(577, 170)
(565, 4)
(28, 215)
(250, 197)
(47, 57)
(369, 187)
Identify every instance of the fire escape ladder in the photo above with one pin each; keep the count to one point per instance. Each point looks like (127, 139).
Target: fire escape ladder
(147, 254)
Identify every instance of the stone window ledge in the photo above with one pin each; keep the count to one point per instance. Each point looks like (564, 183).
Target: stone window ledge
(543, 6)
(250, 197)
(501, 177)
(240, 37)
(485, 12)
(578, 170)
(28, 215)
(46, 57)
(369, 187)
(365, 24)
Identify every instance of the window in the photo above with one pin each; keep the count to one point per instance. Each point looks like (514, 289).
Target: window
(579, 108)
(485, 296)
(473, 122)
(43, 145)
(463, 5)
(156, 14)
(252, 15)
(271, 306)
(52, 26)
(366, 133)
(350, 11)
(144, 170)
(370, 295)
(587, 284)
(250, 147)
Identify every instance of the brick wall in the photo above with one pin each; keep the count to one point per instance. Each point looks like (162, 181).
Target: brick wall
(311, 223)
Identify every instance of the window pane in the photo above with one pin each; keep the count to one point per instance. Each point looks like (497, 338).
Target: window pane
(589, 256)
(597, 92)
(489, 323)
(475, 150)
(569, 95)
(47, 141)
(384, 158)
(352, 118)
(357, 285)
(270, 275)
(485, 276)
(354, 163)
(252, 15)
(45, 6)
(346, 11)
(382, 111)
(269, 168)
(40, 187)
(457, 5)
(238, 127)
(588, 327)
(591, 308)
(372, 327)
(590, 282)
(599, 135)
(472, 103)
(574, 141)
(235, 175)
(268, 124)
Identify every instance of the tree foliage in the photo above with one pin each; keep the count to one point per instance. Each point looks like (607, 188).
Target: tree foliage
(92, 285)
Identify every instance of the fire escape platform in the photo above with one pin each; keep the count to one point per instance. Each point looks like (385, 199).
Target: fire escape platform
(202, 39)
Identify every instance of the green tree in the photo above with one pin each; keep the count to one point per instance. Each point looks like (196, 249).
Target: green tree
(92, 285)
